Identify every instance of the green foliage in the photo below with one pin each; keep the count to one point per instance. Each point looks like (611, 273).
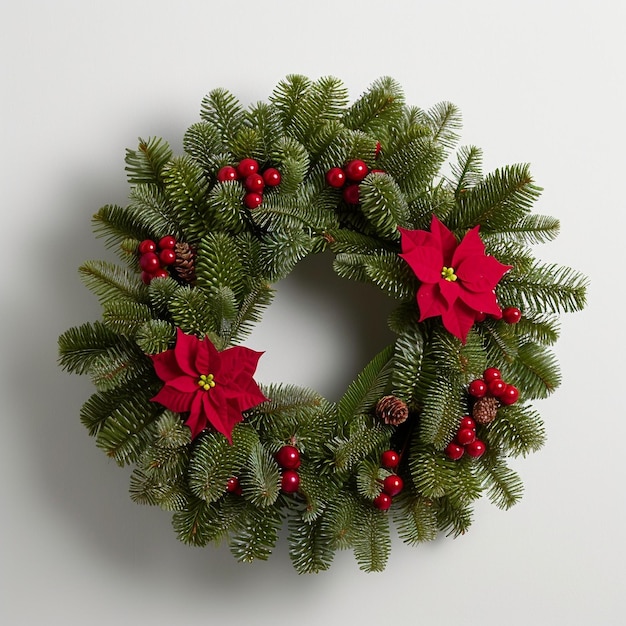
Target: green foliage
(227, 259)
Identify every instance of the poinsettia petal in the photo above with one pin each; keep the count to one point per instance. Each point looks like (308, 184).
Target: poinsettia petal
(197, 420)
(445, 238)
(411, 239)
(458, 320)
(165, 365)
(173, 399)
(185, 351)
(245, 392)
(184, 384)
(430, 301)
(236, 360)
(471, 245)
(484, 302)
(481, 273)
(207, 359)
(449, 290)
(426, 263)
(220, 413)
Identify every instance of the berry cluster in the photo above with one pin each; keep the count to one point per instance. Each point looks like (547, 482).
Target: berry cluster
(155, 257)
(349, 177)
(392, 484)
(253, 179)
(491, 384)
(288, 458)
(465, 441)
(234, 486)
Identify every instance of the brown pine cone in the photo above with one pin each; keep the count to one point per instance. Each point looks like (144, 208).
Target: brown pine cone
(485, 409)
(392, 410)
(185, 266)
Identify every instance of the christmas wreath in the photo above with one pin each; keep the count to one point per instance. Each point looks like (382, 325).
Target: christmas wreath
(427, 426)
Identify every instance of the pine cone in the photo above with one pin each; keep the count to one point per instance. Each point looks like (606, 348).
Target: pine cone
(485, 409)
(185, 266)
(392, 410)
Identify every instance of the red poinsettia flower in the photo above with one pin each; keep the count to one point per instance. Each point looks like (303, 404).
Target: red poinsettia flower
(458, 279)
(213, 387)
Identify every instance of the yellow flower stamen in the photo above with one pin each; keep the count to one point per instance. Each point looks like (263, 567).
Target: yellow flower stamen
(448, 273)
(206, 381)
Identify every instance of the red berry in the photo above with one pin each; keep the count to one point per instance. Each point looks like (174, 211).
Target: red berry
(510, 395)
(252, 200)
(233, 486)
(226, 173)
(335, 177)
(254, 182)
(247, 167)
(290, 481)
(147, 245)
(511, 315)
(146, 277)
(167, 242)
(465, 436)
(167, 256)
(454, 451)
(393, 485)
(475, 449)
(351, 194)
(480, 317)
(160, 273)
(497, 387)
(378, 149)
(288, 457)
(390, 459)
(477, 388)
(382, 501)
(272, 177)
(356, 170)
(467, 422)
(490, 374)
(377, 172)
(149, 262)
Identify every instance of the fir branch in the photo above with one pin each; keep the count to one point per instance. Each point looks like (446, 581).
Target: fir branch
(288, 96)
(467, 171)
(371, 539)
(220, 108)
(416, 519)
(110, 283)
(504, 486)
(444, 120)
(125, 317)
(452, 518)
(154, 336)
(517, 431)
(256, 537)
(260, 479)
(202, 141)
(146, 164)
(383, 204)
(529, 230)
(310, 548)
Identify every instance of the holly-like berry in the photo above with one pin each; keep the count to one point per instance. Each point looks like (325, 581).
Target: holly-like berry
(336, 177)
(233, 486)
(149, 262)
(393, 485)
(167, 256)
(254, 182)
(467, 422)
(356, 170)
(351, 194)
(382, 501)
(390, 459)
(147, 245)
(247, 167)
(290, 481)
(226, 173)
(454, 451)
(477, 388)
(476, 449)
(480, 317)
(491, 373)
(160, 273)
(511, 315)
(167, 243)
(146, 277)
(271, 177)
(497, 387)
(510, 395)
(465, 436)
(288, 457)
(252, 200)
(378, 149)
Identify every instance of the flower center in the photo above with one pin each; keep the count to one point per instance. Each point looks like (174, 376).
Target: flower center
(206, 381)
(448, 273)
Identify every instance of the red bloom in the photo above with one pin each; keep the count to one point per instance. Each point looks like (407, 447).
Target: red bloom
(214, 387)
(458, 279)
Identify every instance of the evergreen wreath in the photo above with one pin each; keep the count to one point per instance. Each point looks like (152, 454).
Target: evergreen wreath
(426, 427)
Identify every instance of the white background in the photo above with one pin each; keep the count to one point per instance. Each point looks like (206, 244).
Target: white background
(537, 81)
